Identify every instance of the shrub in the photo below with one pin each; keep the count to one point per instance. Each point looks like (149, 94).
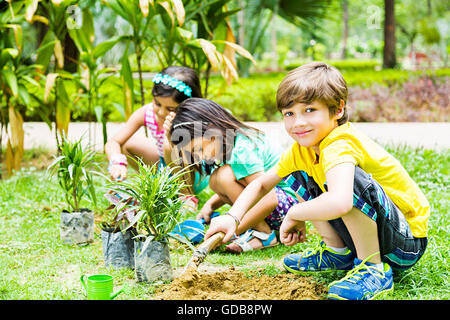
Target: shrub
(422, 99)
(250, 99)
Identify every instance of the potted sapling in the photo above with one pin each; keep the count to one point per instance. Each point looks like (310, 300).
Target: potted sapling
(158, 207)
(74, 170)
(117, 239)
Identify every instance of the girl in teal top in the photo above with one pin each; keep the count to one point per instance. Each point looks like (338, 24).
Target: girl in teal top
(214, 142)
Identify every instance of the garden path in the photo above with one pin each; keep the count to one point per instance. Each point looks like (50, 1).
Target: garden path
(433, 135)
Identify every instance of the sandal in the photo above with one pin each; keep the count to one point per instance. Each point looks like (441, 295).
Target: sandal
(241, 244)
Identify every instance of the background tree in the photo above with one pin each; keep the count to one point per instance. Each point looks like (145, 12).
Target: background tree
(389, 56)
(17, 80)
(305, 14)
(54, 15)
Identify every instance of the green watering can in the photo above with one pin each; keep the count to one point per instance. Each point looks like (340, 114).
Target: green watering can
(99, 287)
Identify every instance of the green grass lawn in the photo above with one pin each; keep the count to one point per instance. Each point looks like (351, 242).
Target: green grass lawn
(34, 264)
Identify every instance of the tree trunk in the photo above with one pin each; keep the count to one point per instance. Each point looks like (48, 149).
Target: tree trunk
(241, 22)
(71, 55)
(389, 60)
(141, 81)
(345, 31)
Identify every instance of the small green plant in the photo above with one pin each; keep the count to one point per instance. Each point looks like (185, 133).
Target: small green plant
(74, 169)
(158, 200)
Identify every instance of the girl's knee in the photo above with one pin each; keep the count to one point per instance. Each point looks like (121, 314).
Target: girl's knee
(221, 177)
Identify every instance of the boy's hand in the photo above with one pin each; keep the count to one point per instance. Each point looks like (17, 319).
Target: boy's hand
(292, 231)
(224, 223)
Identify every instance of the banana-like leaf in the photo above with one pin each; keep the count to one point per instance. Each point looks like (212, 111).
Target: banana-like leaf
(127, 85)
(11, 81)
(88, 26)
(18, 35)
(49, 83)
(102, 48)
(16, 126)
(211, 53)
(179, 11)
(30, 10)
(62, 109)
(12, 52)
(45, 51)
(243, 52)
(229, 71)
(9, 158)
(14, 148)
(59, 55)
(230, 50)
(24, 95)
(31, 81)
(166, 6)
(79, 37)
(144, 5)
(6, 55)
(184, 34)
(116, 6)
(70, 170)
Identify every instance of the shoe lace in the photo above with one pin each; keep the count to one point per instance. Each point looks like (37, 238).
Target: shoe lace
(357, 273)
(318, 248)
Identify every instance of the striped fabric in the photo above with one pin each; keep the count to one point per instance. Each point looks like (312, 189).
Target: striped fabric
(152, 125)
(297, 187)
(364, 207)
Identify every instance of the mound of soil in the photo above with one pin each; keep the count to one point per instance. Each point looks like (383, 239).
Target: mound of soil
(232, 284)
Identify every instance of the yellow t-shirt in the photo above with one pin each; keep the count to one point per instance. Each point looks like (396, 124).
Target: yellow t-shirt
(346, 144)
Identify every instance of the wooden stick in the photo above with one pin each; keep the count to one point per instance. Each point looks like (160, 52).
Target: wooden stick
(200, 253)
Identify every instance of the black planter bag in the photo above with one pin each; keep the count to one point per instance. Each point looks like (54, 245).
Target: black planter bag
(153, 264)
(77, 227)
(118, 248)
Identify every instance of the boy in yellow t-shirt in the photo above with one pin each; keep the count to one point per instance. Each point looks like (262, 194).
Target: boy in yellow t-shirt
(371, 215)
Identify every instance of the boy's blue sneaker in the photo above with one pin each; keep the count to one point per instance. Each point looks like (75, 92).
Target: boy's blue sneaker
(318, 259)
(364, 282)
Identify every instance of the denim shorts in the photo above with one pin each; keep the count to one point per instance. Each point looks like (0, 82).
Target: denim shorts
(399, 248)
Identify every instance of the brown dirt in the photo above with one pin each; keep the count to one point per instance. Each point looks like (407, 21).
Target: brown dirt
(231, 284)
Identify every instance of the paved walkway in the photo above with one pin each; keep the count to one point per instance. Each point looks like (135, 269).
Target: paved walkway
(433, 135)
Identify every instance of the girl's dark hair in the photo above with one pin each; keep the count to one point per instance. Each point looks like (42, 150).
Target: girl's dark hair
(196, 116)
(185, 74)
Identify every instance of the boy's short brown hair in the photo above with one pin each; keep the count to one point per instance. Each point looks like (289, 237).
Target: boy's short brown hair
(314, 81)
